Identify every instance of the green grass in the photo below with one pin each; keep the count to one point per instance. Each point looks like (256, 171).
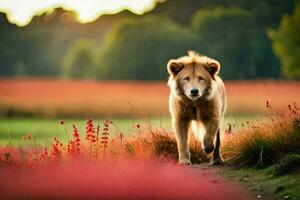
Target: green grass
(12, 129)
(263, 182)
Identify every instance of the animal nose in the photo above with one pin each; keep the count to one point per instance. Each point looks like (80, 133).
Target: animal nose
(194, 91)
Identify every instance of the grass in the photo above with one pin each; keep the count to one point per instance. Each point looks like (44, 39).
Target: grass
(12, 129)
(267, 151)
(264, 183)
(265, 143)
(257, 144)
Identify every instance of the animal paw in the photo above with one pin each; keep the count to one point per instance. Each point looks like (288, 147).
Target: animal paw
(217, 161)
(184, 162)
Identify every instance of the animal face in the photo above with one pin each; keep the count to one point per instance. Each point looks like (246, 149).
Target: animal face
(193, 76)
(193, 81)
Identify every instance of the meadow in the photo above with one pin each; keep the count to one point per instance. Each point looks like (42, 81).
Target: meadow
(149, 155)
(12, 129)
(48, 127)
(37, 105)
(54, 98)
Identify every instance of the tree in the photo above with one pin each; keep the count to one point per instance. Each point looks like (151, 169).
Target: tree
(180, 11)
(8, 37)
(226, 34)
(140, 48)
(79, 60)
(286, 44)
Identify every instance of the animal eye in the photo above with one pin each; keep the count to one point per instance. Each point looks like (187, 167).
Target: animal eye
(186, 78)
(200, 78)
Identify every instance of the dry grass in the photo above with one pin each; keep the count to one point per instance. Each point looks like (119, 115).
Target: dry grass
(49, 97)
(96, 145)
(258, 144)
(264, 143)
(161, 144)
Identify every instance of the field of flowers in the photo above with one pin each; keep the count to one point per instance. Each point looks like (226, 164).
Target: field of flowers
(66, 98)
(281, 129)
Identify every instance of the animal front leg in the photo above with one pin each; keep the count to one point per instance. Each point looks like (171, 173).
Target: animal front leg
(211, 128)
(181, 131)
(217, 158)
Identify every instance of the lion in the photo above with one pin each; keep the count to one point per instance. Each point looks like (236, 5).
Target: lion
(198, 95)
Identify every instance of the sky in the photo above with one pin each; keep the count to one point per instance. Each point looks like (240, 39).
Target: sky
(21, 12)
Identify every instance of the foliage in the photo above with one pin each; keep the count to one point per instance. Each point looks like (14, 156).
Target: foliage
(186, 8)
(39, 48)
(286, 43)
(79, 60)
(7, 33)
(231, 35)
(139, 49)
(267, 13)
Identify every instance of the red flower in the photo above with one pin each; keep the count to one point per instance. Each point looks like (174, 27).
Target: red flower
(24, 137)
(90, 130)
(75, 142)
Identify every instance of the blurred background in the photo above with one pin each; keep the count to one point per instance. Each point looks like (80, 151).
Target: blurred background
(252, 39)
(107, 59)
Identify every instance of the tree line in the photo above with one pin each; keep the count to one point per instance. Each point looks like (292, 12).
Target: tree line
(252, 39)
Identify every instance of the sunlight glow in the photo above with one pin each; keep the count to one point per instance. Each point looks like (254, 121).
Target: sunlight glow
(21, 12)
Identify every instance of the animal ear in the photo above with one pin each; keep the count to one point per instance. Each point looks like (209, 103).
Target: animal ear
(213, 68)
(174, 67)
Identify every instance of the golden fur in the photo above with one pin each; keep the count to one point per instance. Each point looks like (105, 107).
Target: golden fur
(197, 94)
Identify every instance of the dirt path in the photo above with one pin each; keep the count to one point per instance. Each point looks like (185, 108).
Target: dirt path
(254, 185)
